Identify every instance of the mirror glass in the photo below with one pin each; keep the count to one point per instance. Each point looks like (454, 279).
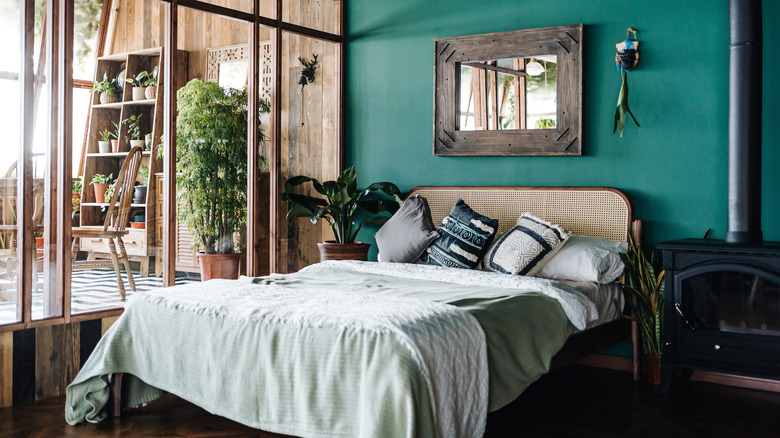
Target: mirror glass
(509, 93)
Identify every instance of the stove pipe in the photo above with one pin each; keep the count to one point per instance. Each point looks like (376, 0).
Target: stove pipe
(745, 68)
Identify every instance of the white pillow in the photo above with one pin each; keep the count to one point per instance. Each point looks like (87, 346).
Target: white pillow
(585, 258)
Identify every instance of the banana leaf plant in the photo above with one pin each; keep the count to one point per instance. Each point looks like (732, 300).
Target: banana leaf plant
(645, 295)
(343, 203)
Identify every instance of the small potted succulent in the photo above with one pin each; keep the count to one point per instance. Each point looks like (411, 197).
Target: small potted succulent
(76, 195)
(100, 183)
(104, 144)
(144, 84)
(109, 93)
(133, 123)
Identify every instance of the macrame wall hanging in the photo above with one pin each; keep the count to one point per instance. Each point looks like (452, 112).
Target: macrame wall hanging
(626, 59)
(307, 77)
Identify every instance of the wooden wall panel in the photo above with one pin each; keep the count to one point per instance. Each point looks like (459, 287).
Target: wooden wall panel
(6, 368)
(41, 362)
(57, 358)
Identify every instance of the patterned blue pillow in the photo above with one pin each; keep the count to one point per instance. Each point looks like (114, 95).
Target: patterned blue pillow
(464, 237)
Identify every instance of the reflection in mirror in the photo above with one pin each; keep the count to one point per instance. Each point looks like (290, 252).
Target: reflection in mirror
(505, 94)
(233, 74)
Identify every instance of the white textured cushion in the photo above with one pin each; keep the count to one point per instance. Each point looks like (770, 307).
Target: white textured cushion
(585, 258)
(526, 247)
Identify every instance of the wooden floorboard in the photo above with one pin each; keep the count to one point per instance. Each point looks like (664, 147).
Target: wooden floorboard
(575, 401)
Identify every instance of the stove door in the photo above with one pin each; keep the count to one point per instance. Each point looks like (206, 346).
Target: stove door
(728, 315)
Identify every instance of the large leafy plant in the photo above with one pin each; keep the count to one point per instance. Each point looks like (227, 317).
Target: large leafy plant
(645, 292)
(343, 203)
(211, 153)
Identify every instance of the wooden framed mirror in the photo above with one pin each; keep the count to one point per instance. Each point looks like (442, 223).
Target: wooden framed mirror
(509, 93)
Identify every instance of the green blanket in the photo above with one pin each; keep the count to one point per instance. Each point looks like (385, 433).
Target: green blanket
(315, 382)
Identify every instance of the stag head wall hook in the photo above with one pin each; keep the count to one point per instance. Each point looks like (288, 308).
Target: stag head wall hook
(307, 73)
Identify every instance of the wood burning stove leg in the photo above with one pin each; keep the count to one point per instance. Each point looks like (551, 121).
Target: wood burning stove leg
(115, 395)
(667, 372)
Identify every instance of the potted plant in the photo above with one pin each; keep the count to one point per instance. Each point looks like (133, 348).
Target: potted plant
(104, 144)
(100, 183)
(109, 93)
(139, 191)
(109, 192)
(340, 209)
(211, 153)
(133, 123)
(76, 195)
(115, 134)
(644, 288)
(141, 83)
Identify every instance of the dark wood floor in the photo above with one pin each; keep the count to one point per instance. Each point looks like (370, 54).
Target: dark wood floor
(575, 401)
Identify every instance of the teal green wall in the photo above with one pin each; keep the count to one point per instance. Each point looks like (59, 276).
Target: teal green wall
(673, 168)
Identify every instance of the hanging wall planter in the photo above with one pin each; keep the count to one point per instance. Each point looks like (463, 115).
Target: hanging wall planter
(626, 59)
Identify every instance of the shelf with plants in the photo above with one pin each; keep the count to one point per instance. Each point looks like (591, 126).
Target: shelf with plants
(116, 120)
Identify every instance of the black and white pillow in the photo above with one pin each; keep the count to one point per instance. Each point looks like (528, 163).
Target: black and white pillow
(464, 237)
(524, 249)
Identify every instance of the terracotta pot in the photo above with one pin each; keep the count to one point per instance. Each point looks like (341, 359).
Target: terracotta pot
(138, 225)
(218, 265)
(114, 146)
(108, 98)
(653, 369)
(330, 250)
(39, 243)
(151, 92)
(76, 206)
(139, 93)
(104, 146)
(100, 192)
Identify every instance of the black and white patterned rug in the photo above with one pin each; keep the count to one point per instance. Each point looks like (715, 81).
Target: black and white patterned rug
(93, 290)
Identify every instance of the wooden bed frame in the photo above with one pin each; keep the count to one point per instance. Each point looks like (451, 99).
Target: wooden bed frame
(593, 211)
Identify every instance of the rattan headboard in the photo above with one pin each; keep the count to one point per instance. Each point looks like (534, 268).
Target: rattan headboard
(593, 211)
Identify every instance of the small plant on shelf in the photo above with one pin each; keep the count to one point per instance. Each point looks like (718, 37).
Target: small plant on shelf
(100, 178)
(105, 86)
(105, 135)
(133, 123)
(109, 192)
(144, 79)
(100, 183)
(143, 175)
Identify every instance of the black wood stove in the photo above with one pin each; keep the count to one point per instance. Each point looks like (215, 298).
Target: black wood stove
(722, 308)
(722, 298)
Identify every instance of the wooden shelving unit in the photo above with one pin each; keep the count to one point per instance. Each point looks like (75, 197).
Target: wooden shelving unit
(139, 242)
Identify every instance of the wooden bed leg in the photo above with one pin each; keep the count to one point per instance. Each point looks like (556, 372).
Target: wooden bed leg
(115, 397)
(637, 342)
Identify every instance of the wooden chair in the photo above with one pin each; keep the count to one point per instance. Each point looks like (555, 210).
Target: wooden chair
(113, 228)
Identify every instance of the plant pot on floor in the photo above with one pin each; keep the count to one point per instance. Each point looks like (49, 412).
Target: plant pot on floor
(653, 369)
(138, 225)
(330, 250)
(139, 93)
(104, 147)
(100, 191)
(218, 266)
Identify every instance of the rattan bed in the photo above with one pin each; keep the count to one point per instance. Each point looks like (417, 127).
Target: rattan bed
(592, 211)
